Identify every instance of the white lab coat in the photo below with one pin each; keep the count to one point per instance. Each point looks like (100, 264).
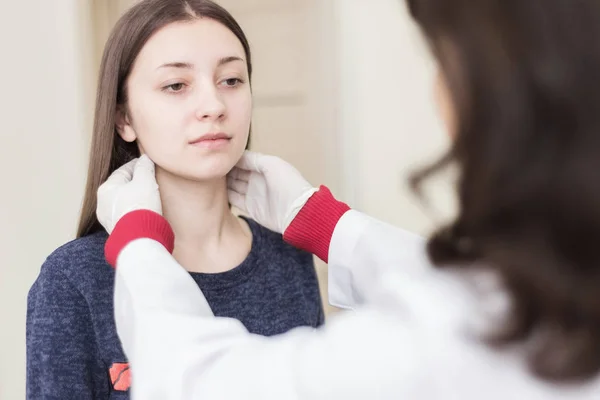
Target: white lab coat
(412, 333)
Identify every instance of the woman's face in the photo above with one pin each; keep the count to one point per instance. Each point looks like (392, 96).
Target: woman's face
(189, 100)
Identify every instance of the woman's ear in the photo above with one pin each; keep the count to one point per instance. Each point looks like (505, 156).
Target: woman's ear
(123, 125)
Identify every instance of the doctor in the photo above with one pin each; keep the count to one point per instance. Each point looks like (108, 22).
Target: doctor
(500, 304)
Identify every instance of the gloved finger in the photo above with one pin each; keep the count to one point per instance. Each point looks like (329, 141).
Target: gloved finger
(250, 161)
(238, 186)
(237, 200)
(239, 174)
(122, 175)
(144, 169)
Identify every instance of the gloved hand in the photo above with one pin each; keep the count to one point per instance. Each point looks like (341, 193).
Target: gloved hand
(131, 187)
(269, 189)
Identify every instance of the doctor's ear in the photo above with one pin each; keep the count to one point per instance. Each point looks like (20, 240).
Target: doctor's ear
(123, 125)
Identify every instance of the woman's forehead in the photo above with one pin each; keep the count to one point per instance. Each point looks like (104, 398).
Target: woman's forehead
(202, 42)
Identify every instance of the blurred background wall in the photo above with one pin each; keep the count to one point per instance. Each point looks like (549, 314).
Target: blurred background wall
(342, 90)
(45, 109)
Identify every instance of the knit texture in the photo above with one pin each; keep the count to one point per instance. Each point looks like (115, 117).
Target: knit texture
(73, 351)
(138, 224)
(313, 227)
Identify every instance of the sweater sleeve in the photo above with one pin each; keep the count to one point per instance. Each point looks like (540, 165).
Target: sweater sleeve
(311, 230)
(62, 353)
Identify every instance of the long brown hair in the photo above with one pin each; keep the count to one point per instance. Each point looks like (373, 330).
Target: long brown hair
(524, 77)
(108, 150)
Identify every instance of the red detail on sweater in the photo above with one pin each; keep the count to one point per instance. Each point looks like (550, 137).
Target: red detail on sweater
(313, 227)
(136, 225)
(120, 376)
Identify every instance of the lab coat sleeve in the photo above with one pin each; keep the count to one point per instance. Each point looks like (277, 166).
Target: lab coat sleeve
(152, 290)
(178, 350)
(361, 250)
(356, 247)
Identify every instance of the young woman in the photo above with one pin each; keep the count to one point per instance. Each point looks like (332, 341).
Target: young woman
(175, 85)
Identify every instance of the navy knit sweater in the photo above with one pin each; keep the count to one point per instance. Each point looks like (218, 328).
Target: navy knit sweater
(73, 351)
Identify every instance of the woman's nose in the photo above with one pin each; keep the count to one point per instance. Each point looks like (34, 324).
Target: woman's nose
(210, 105)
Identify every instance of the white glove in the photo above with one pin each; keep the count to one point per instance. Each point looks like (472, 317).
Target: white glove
(269, 189)
(131, 187)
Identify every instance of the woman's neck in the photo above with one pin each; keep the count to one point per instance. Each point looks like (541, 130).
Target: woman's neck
(208, 237)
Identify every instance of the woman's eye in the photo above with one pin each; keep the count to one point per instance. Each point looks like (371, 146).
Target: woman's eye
(174, 87)
(232, 82)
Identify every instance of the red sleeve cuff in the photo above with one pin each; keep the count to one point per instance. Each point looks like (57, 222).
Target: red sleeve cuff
(136, 225)
(313, 227)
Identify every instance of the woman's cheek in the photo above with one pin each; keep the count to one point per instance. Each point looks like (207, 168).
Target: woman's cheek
(157, 148)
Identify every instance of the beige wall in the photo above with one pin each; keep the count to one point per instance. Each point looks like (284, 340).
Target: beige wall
(388, 123)
(44, 112)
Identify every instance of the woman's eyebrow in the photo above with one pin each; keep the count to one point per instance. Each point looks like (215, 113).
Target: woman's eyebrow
(227, 60)
(177, 64)
(188, 65)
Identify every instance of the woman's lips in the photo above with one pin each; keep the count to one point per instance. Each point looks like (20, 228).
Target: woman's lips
(212, 141)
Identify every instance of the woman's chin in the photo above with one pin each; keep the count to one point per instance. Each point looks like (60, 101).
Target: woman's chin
(208, 173)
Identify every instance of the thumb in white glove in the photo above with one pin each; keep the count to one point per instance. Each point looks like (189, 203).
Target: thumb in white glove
(131, 187)
(269, 189)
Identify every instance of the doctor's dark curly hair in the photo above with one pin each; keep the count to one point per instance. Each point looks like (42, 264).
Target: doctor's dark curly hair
(524, 78)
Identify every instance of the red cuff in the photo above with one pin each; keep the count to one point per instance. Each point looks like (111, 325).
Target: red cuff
(136, 225)
(313, 227)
